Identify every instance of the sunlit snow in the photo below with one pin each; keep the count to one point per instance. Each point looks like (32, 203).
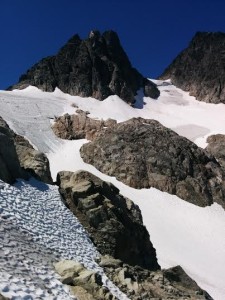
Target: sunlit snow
(182, 233)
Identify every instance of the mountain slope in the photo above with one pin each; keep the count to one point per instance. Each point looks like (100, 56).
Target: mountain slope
(200, 68)
(182, 233)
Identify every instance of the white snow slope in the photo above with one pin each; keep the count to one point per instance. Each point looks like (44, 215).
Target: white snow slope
(183, 234)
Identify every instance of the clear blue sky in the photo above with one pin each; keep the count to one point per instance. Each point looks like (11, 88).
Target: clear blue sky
(151, 32)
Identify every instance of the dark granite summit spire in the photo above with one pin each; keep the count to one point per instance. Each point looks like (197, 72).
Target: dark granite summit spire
(94, 67)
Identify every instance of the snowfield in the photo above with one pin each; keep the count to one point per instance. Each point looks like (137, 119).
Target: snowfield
(183, 234)
(36, 230)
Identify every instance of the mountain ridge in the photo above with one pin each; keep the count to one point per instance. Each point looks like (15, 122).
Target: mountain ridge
(94, 67)
(200, 68)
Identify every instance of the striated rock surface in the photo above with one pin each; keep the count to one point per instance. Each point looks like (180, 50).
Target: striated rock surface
(94, 67)
(17, 156)
(84, 284)
(113, 222)
(141, 284)
(143, 153)
(200, 68)
(216, 147)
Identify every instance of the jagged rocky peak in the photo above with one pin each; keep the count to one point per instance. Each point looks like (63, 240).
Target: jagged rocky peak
(200, 68)
(94, 67)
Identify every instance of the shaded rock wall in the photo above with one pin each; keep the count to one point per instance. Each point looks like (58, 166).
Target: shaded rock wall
(200, 68)
(18, 159)
(95, 67)
(10, 168)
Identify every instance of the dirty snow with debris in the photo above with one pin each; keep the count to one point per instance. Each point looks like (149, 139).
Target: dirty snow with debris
(37, 230)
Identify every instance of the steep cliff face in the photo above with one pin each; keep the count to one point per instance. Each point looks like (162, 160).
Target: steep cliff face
(94, 67)
(200, 68)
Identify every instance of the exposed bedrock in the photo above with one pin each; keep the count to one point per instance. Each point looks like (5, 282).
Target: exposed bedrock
(94, 67)
(18, 159)
(143, 153)
(200, 68)
(216, 147)
(79, 126)
(113, 222)
(138, 283)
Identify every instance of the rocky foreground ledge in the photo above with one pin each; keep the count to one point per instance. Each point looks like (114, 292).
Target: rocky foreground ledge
(135, 282)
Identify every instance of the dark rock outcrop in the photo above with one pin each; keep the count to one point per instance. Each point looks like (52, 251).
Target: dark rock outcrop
(216, 147)
(18, 159)
(200, 68)
(143, 153)
(113, 222)
(10, 168)
(138, 283)
(95, 67)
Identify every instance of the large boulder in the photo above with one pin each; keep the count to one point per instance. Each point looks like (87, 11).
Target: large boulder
(79, 126)
(34, 162)
(18, 158)
(94, 67)
(143, 153)
(200, 68)
(113, 222)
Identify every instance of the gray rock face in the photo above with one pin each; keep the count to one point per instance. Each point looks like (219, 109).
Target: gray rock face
(200, 68)
(143, 153)
(96, 67)
(18, 159)
(138, 283)
(113, 222)
(216, 147)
